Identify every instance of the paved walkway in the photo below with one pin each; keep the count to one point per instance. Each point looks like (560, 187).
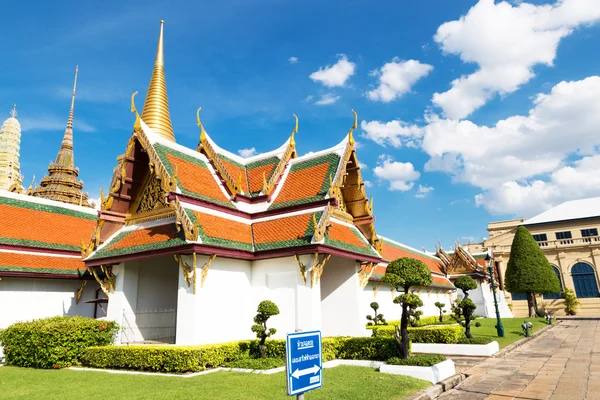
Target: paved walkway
(563, 363)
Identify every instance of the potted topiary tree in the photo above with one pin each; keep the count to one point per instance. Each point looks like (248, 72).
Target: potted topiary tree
(402, 274)
(571, 301)
(266, 309)
(528, 270)
(467, 307)
(441, 306)
(375, 319)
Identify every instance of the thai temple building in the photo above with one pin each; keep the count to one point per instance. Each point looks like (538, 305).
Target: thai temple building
(10, 144)
(189, 237)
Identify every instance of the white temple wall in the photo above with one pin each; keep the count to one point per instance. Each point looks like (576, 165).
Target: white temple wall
(24, 299)
(157, 284)
(341, 308)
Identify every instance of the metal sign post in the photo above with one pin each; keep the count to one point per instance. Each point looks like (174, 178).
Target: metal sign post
(304, 370)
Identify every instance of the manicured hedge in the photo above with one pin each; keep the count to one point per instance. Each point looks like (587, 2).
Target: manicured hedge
(430, 334)
(198, 358)
(431, 320)
(55, 342)
(418, 360)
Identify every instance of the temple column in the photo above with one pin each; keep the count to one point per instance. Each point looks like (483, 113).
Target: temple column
(185, 333)
(124, 300)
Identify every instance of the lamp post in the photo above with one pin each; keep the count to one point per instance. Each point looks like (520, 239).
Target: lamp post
(499, 327)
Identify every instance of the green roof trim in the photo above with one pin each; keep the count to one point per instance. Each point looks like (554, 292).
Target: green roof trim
(106, 251)
(37, 244)
(408, 249)
(333, 159)
(71, 272)
(162, 152)
(230, 161)
(367, 250)
(261, 163)
(306, 239)
(31, 205)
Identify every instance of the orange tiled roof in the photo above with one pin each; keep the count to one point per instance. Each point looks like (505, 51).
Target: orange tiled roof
(284, 232)
(392, 251)
(31, 224)
(257, 169)
(348, 238)
(219, 231)
(235, 171)
(140, 240)
(307, 181)
(43, 263)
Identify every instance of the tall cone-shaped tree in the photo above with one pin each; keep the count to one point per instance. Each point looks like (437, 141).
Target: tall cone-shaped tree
(528, 270)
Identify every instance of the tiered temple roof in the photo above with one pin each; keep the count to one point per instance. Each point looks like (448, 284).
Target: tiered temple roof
(40, 237)
(10, 141)
(62, 182)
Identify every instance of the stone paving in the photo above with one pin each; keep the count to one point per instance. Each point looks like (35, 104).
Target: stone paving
(562, 363)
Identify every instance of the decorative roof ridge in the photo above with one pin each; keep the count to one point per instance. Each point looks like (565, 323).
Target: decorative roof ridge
(155, 158)
(155, 139)
(406, 247)
(284, 160)
(244, 161)
(75, 254)
(48, 202)
(338, 149)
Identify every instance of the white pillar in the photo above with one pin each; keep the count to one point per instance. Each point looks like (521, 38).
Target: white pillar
(308, 299)
(124, 299)
(186, 331)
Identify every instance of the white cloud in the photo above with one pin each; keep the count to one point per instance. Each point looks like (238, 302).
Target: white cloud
(393, 133)
(368, 184)
(362, 166)
(309, 98)
(401, 176)
(247, 152)
(53, 123)
(336, 74)
(293, 60)
(505, 41)
(525, 163)
(423, 191)
(396, 78)
(96, 203)
(327, 99)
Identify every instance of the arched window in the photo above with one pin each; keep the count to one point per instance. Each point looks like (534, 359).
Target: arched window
(584, 280)
(555, 295)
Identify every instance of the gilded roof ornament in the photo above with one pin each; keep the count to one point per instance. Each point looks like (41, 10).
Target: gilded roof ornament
(156, 107)
(137, 126)
(202, 131)
(292, 141)
(350, 136)
(13, 112)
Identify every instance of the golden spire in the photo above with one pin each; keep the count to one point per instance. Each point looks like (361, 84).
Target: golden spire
(156, 107)
(199, 123)
(13, 112)
(350, 137)
(71, 112)
(292, 141)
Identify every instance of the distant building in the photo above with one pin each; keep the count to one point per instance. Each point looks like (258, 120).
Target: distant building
(10, 143)
(568, 236)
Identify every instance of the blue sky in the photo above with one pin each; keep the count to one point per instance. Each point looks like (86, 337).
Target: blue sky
(470, 111)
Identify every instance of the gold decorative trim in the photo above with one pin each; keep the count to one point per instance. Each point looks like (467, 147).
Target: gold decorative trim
(156, 166)
(108, 283)
(105, 202)
(189, 272)
(137, 126)
(204, 270)
(317, 269)
(79, 292)
(376, 289)
(365, 274)
(190, 229)
(301, 268)
(233, 186)
(285, 159)
(320, 227)
(151, 215)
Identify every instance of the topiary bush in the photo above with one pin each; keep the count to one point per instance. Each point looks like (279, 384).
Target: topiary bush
(440, 307)
(266, 309)
(55, 342)
(418, 360)
(375, 319)
(571, 301)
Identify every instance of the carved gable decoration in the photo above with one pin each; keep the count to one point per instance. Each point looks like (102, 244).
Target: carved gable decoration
(153, 197)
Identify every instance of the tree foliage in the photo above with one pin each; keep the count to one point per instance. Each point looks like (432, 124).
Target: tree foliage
(571, 301)
(465, 283)
(266, 309)
(375, 319)
(441, 306)
(528, 270)
(402, 274)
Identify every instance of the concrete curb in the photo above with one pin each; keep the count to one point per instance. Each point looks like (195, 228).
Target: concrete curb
(521, 342)
(434, 391)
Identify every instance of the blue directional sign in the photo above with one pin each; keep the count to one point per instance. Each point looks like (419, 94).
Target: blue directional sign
(304, 369)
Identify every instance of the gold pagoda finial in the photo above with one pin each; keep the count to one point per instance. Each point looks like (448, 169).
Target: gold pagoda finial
(292, 141)
(71, 112)
(136, 125)
(202, 131)
(350, 137)
(156, 107)
(13, 112)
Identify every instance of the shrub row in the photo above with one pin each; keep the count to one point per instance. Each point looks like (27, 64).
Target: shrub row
(192, 359)
(432, 334)
(431, 320)
(55, 342)
(418, 360)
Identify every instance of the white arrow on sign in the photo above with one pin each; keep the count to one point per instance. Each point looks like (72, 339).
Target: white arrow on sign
(301, 372)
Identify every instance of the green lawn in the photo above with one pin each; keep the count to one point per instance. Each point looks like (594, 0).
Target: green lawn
(338, 383)
(512, 329)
